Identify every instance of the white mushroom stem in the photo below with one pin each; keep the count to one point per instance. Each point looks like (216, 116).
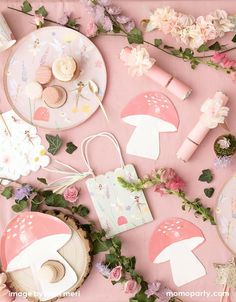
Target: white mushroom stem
(185, 266)
(144, 142)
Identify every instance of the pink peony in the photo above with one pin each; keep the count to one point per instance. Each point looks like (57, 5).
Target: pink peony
(131, 287)
(175, 184)
(91, 29)
(71, 194)
(160, 188)
(218, 57)
(116, 273)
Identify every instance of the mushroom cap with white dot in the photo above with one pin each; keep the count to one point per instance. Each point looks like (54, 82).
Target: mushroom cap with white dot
(173, 231)
(18, 243)
(154, 108)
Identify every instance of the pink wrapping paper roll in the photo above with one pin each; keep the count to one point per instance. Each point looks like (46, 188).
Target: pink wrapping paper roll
(163, 78)
(197, 135)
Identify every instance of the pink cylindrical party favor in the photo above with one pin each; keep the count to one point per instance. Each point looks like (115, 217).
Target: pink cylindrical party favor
(158, 75)
(199, 132)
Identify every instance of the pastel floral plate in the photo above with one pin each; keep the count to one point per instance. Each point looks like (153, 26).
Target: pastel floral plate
(42, 47)
(226, 214)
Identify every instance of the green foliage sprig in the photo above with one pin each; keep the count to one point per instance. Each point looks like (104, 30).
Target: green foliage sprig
(163, 187)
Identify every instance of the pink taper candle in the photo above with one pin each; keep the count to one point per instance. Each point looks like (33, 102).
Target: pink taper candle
(163, 78)
(197, 135)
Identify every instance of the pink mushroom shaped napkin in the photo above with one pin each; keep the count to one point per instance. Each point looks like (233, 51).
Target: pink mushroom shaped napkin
(31, 239)
(174, 240)
(151, 113)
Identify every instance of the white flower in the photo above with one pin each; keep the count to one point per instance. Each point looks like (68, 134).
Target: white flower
(221, 22)
(192, 36)
(138, 61)
(208, 30)
(182, 22)
(214, 112)
(224, 143)
(39, 159)
(162, 19)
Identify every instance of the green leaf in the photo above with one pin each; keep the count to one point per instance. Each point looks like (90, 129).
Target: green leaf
(70, 148)
(7, 192)
(158, 42)
(116, 28)
(72, 23)
(209, 192)
(56, 200)
(55, 143)
(135, 36)
(215, 46)
(203, 48)
(19, 206)
(41, 11)
(168, 47)
(112, 260)
(234, 39)
(188, 53)
(80, 210)
(101, 246)
(42, 180)
(26, 7)
(206, 176)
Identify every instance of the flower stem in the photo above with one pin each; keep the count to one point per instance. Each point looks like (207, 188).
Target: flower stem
(46, 19)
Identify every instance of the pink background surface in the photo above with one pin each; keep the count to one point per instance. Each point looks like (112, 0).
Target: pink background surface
(121, 88)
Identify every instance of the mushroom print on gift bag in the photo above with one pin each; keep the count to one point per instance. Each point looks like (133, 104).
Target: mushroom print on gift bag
(118, 209)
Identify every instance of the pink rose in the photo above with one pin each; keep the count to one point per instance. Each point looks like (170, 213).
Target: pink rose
(115, 273)
(91, 29)
(218, 57)
(131, 287)
(71, 194)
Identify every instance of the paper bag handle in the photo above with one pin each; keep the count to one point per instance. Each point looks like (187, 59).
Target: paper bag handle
(87, 140)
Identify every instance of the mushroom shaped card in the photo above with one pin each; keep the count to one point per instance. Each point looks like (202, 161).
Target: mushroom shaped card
(174, 240)
(151, 113)
(33, 240)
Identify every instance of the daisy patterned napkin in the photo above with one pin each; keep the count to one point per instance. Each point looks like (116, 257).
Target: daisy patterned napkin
(21, 151)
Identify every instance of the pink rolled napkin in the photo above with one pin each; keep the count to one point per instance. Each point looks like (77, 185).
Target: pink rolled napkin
(213, 113)
(139, 63)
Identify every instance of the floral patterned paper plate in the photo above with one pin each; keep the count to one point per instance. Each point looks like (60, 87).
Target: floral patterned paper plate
(226, 214)
(42, 47)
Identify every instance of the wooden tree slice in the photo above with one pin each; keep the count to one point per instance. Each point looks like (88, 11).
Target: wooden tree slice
(77, 252)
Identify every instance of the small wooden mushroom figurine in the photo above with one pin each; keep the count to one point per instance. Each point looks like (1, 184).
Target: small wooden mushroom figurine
(32, 240)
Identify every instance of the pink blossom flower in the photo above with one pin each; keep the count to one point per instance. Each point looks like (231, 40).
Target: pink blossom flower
(218, 57)
(166, 174)
(39, 20)
(64, 18)
(71, 194)
(129, 26)
(91, 29)
(160, 188)
(175, 184)
(106, 24)
(122, 19)
(131, 287)
(113, 10)
(226, 63)
(116, 273)
(233, 76)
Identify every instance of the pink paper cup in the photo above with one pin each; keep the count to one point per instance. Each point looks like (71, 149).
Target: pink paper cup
(7, 39)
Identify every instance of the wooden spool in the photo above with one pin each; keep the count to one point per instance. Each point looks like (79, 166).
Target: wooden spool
(77, 252)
